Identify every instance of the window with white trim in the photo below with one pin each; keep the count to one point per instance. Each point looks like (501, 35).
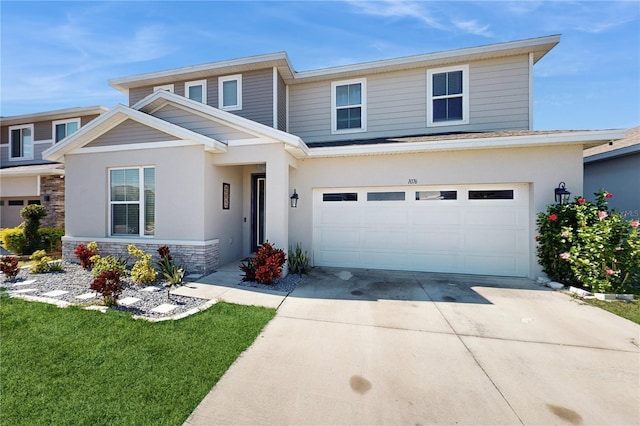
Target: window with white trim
(21, 142)
(63, 128)
(448, 96)
(166, 87)
(230, 92)
(349, 106)
(132, 201)
(196, 90)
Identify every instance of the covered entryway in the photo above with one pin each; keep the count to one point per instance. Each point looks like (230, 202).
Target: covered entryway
(475, 229)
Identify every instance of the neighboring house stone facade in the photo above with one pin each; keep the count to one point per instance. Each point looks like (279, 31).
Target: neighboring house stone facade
(615, 167)
(425, 163)
(27, 178)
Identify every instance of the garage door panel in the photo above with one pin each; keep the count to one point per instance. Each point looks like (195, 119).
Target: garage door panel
(383, 239)
(340, 217)
(338, 238)
(481, 236)
(423, 215)
(394, 216)
(447, 240)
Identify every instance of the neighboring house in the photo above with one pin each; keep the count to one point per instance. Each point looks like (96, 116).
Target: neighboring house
(27, 178)
(615, 167)
(424, 163)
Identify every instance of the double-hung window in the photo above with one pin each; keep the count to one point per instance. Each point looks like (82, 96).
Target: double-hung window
(63, 128)
(230, 92)
(21, 142)
(349, 106)
(132, 201)
(196, 90)
(448, 96)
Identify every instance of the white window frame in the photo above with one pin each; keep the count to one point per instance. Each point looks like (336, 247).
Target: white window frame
(167, 87)
(221, 81)
(58, 122)
(362, 105)
(24, 157)
(141, 204)
(202, 83)
(465, 96)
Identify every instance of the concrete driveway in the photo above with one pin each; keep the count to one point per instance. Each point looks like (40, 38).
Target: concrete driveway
(382, 347)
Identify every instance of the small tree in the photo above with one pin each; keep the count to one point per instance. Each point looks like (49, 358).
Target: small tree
(32, 214)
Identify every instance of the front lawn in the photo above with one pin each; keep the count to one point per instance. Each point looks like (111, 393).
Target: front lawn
(72, 366)
(628, 310)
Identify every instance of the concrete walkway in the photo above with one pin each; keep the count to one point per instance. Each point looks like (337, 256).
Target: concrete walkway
(378, 347)
(223, 285)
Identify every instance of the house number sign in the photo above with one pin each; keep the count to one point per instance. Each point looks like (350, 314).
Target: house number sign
(413, 181)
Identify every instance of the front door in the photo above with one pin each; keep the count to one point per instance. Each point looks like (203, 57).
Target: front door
(258, 198)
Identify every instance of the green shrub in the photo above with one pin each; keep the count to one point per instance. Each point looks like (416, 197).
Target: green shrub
(13, 239)
(142, 271)
(585, 244)
(56, 266)
(51, 239)
(108, 263)
(32, 214)
(9, 267)
(298, 261)
(40, 263)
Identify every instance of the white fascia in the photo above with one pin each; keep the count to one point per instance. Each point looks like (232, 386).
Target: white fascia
(571, 138)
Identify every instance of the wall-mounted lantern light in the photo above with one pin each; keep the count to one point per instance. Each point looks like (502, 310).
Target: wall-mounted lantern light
(294, 199)
(561, 193)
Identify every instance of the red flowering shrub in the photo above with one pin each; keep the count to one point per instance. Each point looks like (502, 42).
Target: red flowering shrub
(108, 284)
(85, 254)
(9, 267)
(267, 265)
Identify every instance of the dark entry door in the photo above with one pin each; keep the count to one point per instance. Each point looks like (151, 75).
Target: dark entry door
(258, 198)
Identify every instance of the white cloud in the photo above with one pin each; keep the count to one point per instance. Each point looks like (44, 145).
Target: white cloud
(473, 27)
(398, 9)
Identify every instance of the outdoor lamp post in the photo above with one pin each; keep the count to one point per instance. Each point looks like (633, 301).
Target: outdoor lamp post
(562, 195)
(294, 199)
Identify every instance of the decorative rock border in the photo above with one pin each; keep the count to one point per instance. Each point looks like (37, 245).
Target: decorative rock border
(584, 293)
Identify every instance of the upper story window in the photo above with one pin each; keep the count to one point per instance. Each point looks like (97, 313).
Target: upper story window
(167, 87)
(448, 96)
(230, 92)
(349, 106)
(132, 201)
(196, 90)
(21, 142)
(63, 128)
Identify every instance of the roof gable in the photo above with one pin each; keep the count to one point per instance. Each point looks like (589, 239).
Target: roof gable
(144, 123)
(128, 132)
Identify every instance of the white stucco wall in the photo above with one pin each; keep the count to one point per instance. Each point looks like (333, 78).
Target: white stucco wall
(542, 168)
(180, 194)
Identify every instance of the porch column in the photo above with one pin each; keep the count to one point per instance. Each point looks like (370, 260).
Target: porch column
(277, 201)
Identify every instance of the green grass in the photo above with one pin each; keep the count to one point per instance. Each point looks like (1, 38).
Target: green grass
(72, 366)
(628, 310)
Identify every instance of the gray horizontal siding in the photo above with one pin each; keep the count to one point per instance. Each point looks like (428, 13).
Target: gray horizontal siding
(38, 148)
(257, 94)
(397, 103)
(282, 104)
(130, 131)
(199, 124)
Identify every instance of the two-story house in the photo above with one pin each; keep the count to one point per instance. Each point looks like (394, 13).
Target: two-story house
(423, 163)
(27, 178)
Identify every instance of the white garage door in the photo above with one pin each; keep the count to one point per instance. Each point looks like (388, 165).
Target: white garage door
(474, 229)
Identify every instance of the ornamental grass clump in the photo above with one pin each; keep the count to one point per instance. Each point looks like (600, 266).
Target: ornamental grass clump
(585, 244)
(168, 268)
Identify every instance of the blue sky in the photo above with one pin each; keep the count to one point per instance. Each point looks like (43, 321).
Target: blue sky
(61, 54)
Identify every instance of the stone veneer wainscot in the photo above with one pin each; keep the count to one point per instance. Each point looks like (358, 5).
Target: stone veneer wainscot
(195, 258)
